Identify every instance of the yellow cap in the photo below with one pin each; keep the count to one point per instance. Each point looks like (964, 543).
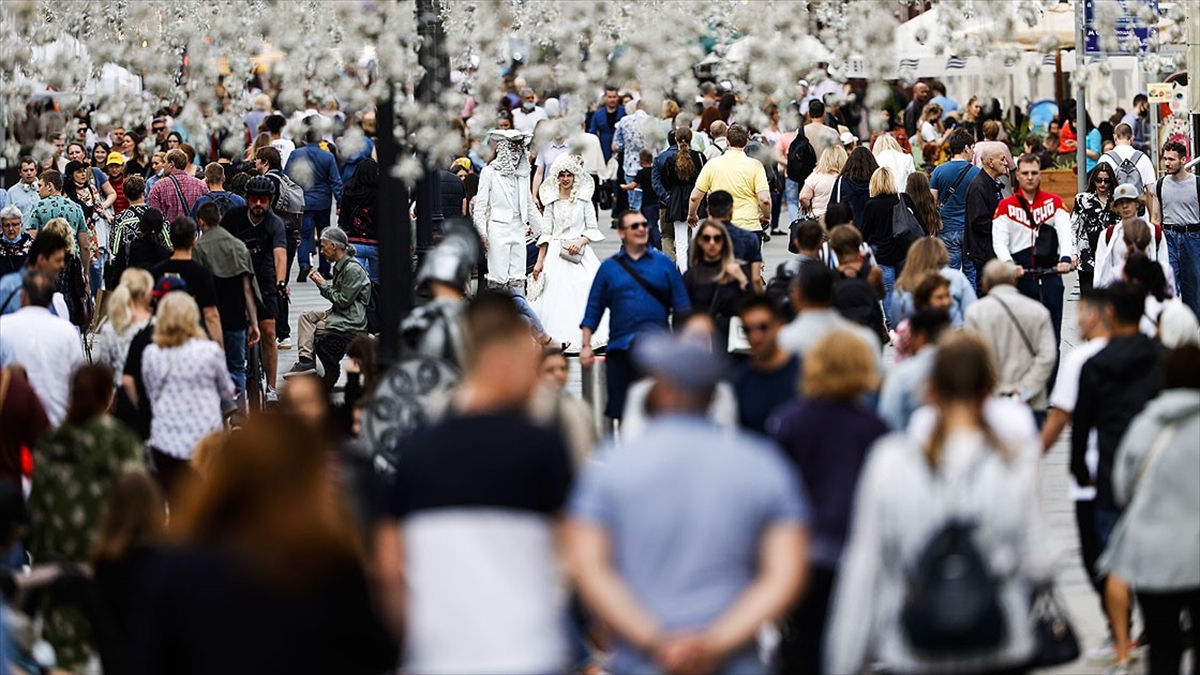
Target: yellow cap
(115, 158)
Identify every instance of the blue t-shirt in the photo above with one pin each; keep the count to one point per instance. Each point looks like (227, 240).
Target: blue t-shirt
(686, 506)
(759, 393)
(954, 207)
(747, 246)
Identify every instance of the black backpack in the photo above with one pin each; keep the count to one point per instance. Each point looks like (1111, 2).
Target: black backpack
(906, 229)
(801, 158)
(952, 601)
(855, 299)
(779, 288)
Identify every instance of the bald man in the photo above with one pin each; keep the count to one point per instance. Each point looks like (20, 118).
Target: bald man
(983, 195)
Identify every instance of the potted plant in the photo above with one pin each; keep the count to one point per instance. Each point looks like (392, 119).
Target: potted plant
(1062, 180)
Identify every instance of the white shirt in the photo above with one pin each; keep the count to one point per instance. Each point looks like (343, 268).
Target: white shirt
(49, 349)
(526, 121)
(1144, 166)
(1064, 397)
(812, 325)
(1111, 253)
(185, 385)
(285, 148)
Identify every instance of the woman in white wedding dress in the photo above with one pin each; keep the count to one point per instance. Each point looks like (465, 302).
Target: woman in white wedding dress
(566, 264)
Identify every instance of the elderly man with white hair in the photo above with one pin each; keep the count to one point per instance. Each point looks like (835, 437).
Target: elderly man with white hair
(348, 291)
(529, 113)
(1018, 331)
(983, 196)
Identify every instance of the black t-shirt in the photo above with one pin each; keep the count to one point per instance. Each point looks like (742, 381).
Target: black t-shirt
(517, 466)
(760, 393)
(197, 277)
(231, 303)
(610, 116)
(136, 417)
(261, 240)
(643, 181)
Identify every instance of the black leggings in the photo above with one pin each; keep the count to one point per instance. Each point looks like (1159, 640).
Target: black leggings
(1161, 612)
(804, 632)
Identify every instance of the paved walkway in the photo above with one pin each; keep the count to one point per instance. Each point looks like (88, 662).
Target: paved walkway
(1081, 601)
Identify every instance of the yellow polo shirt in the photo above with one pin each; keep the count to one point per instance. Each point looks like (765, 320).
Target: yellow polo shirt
(743, 177)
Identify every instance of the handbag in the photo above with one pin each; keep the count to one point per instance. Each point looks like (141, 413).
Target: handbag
(1055, 640)
(576, 258)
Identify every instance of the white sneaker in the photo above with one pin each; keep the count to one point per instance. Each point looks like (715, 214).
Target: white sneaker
(284, 343)
(272, 397)
(1103, 654)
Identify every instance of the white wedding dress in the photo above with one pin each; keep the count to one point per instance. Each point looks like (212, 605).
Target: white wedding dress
(563, 299)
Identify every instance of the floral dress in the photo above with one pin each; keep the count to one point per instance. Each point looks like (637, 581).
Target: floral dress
(1088, 220)
(72, 470)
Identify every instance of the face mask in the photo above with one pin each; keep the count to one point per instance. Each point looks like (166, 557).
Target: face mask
(526, 106)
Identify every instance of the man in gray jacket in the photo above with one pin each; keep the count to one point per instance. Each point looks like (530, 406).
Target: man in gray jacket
(1019, 333)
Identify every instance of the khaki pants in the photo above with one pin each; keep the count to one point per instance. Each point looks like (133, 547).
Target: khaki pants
(310, 327)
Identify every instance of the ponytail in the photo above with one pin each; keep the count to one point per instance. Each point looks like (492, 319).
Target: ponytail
(120, 308)
(685, 168)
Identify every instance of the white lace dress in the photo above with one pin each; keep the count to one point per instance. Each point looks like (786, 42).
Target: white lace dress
(561, 303)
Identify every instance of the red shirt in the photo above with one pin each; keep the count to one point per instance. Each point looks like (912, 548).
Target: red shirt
(23, 420)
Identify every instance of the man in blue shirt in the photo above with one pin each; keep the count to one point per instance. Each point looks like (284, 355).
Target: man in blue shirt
(314, 169)
(637, 304)
(949, 186)
(687, 538)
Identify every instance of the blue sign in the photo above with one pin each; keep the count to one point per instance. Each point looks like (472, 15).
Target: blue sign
(1128, 26)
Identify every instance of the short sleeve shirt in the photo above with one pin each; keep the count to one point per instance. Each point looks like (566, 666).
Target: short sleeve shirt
(743, 177)
(57, 206)
(198, 279)
(954, 207)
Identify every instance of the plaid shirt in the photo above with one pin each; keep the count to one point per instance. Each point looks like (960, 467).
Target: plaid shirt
(165, 198)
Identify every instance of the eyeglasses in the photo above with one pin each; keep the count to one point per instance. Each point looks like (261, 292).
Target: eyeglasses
(707, 238)
(637, 225)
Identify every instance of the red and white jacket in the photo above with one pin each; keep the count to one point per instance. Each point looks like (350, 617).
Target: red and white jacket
(1013, 233)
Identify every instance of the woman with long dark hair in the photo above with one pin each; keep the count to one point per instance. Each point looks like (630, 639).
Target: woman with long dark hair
(853, 186)
(678, 179)
(73, 470)
(78, 187)
(924, 205)
(716, 283)
(1092, 215)
(357, 216)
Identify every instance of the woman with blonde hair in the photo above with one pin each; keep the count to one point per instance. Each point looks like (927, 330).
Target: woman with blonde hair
(127, 312)
(914, 491)
(715, 281)
(71, 300)
(929, 256)
(269, 536)
(888, 154)
(186, 379)
(827, 433)
(877, 229)
(818, 187)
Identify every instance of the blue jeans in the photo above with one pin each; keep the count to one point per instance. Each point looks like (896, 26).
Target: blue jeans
(235, 357)
(368, 255)
(311, 227)
(954, 244)
(526, 311)
(635, 200)
(650, 209)
(1183, 250)
(96, 275)
(889, 283)
(791, 194)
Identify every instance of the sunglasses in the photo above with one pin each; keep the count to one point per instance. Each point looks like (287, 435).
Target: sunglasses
(637, 225)
(158, 129)
(1102, 181)
(707, 238)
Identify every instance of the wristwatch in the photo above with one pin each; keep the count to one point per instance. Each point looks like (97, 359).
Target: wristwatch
(281, 286)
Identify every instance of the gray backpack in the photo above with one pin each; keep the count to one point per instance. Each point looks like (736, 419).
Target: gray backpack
(291, 195)
(1127, 171)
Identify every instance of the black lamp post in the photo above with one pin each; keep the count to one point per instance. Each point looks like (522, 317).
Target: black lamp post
(391, 197)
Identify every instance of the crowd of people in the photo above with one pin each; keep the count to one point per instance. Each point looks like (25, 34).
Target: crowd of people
(840, 449)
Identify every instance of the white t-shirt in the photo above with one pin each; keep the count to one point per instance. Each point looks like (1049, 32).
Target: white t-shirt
(929, 133)
(1066, 394)
(1144, 165)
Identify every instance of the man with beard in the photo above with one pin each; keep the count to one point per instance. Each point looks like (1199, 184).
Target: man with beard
(504, 211)
(263, 233)
(1136, 119)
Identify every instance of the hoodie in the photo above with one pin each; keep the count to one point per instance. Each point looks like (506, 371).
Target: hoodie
(1114, 386)
(1157, 541)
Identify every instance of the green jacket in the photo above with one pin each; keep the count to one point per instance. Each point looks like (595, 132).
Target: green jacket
(349, 290)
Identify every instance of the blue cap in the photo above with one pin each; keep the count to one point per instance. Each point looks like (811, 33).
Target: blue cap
(683, 363)
(167, 284)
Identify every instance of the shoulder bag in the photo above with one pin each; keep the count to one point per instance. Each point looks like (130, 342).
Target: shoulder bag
(944, 197)
(1017, 325)
(655, 292)
(179, 192)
